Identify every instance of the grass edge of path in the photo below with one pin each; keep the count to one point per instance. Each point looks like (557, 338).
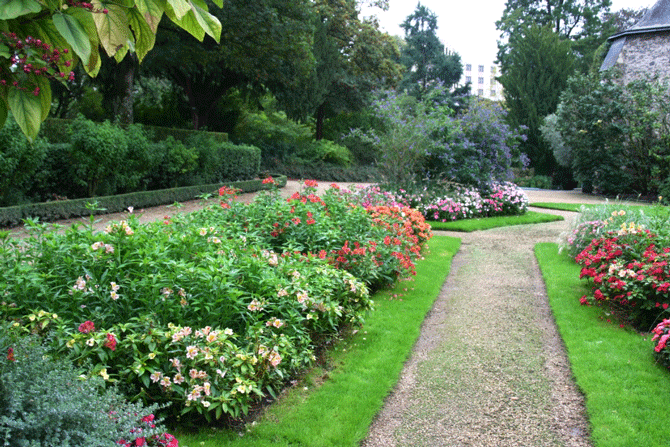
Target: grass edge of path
(626, 393)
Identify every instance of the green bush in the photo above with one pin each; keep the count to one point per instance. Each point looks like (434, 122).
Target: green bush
(19, 161)
(172, 164)
(44, 402)
(325, 151)
(99, 152)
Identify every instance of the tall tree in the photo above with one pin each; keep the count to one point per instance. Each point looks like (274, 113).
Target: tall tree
(354, 57)
(41, 40)
(424, 56)
(580, 21)
(540, 62)
(264, 44)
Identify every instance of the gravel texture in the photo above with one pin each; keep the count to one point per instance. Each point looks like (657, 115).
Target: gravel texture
(489, 368)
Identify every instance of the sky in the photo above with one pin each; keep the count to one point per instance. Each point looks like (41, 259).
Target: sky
(465, 26)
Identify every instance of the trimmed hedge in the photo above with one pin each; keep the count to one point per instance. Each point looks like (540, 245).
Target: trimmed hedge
(65, 209)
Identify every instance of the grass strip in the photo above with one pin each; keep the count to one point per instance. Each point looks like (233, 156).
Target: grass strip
(335, 405)
(626, 391)
(576, 207)
(487, 223)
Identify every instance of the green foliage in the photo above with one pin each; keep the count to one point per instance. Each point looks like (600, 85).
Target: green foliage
(582, 22)
(325, 151)
(618, 135)
(41, 41)
(19, 162)
(171, 162)
(552, 135)
(531, 94)
(426, 63)
(44, 402)
(98, 151)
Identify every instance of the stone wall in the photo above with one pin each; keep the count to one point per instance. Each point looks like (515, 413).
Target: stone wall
(645, 55)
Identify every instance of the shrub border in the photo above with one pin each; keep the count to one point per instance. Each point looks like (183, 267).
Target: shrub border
(65, 209)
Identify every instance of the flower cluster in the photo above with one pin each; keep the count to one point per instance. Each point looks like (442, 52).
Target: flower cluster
(630, 271)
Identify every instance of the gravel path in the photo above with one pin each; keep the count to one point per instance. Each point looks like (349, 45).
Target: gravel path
(489, 368)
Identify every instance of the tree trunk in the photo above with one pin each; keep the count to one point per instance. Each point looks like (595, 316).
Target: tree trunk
(124, 80)
(320, 117)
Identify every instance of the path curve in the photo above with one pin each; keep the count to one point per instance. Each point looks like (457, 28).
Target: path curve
(489, 368)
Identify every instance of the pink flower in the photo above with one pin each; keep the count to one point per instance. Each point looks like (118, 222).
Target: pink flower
(111, 342)
(86, 327)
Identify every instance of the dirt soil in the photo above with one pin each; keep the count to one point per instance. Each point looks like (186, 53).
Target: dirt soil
(489, 368)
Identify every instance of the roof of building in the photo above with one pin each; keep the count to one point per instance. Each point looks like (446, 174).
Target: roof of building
(655, 20)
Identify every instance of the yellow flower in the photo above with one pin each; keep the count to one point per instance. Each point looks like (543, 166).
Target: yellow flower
(103, 373)
(70, 343)
(152, 355)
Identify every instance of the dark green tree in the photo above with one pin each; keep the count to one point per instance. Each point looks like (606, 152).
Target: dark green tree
(540, 62)
(424, 57)
(581, 21)
(353, 58)
(265, 44)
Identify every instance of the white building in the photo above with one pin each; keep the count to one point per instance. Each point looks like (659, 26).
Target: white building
(482, 79)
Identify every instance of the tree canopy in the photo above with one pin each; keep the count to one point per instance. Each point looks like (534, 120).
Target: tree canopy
(540, 62)
(581, 21)
(424, 56)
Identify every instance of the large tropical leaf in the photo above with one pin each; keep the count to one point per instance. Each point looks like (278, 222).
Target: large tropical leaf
(144, 37)
(209, 23)
(74, 33)
(11, 9)
(112, 27)
(27, 111)
(152, 11)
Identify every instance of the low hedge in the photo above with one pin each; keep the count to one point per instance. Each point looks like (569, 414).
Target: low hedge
(65, 209)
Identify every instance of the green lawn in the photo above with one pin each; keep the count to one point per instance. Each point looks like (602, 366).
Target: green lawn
(486, 223)
(627, 394)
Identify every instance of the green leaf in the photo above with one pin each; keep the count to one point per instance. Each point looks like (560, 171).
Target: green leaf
(112, 28)
(180, 7)
(11, 9)
(74, 33)
(151, 11)
(27, 111)
(207, 21)
(144, 36)
(190, 24)
(44, 96)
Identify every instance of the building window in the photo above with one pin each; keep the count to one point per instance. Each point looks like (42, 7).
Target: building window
(481, 69)
(493, 69)
(468, 79)
(468, 67)
(480, 80)
(493, 92)
(480, 92)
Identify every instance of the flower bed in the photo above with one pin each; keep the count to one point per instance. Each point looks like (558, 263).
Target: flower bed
(211, 310)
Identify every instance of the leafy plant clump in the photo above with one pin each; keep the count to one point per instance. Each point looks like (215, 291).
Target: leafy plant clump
(44, 402)
(214, 309)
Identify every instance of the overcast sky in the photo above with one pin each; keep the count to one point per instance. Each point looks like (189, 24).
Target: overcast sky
(466, 26)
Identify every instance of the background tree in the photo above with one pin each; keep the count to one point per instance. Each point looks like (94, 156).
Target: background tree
(424, 56)
(581, 21)
(353, 58)
(264, 44)
(41, 41)
(539, 63)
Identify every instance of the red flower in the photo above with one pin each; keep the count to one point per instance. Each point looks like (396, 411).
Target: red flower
(86, 327)
(10, 354)
(268, 180)
(311, 183)
(111, 342)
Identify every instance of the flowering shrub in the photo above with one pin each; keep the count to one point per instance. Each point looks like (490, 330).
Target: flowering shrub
(210, 310)
(629, 271)
(661, 336)
(466, 203)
